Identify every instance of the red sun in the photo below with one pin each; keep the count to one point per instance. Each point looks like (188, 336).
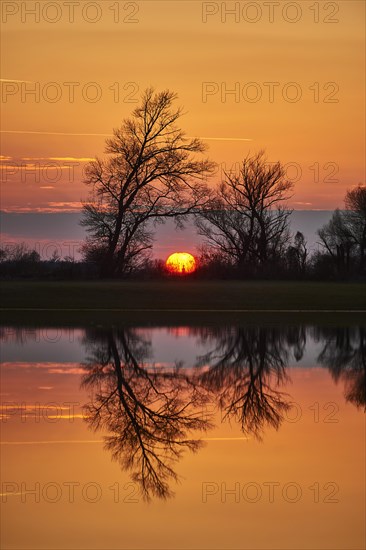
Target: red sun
(181, 263)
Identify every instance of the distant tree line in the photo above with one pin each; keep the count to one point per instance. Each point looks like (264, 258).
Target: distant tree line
(233, 248)
(18, 260)
(152, 173)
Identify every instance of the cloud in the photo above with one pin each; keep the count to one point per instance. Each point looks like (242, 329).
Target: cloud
(66, 371)
(52, 207)
(25, 408)
(53, 368)
(225, 438)
(71, 205)
(58, 208)
(62, 442)
(110, 135)
(222, 138)
(52, 133)
(73, 159)
(14, 80)
(31, 166)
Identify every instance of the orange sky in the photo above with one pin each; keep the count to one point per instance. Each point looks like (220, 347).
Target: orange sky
(202, 52)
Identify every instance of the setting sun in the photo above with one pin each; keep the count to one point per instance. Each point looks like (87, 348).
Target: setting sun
(181, 263)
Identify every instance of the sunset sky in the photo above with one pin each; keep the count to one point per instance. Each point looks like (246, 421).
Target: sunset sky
(202, 52)
(167, 318)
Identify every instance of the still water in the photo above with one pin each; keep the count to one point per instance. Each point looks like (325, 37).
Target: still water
(232, 437)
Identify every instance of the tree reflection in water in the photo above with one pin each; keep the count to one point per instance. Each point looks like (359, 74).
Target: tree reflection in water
(344, 353)
(246, 369)
(147, 411)
(152, 414)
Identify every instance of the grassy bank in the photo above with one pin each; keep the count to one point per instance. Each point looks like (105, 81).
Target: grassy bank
(183, 295)
(176, 301)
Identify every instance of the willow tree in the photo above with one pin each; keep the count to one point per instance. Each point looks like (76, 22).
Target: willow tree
(152, 172)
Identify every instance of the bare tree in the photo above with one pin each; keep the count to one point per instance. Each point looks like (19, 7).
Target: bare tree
(338, 241)
(18, 253)
(151, 173)
(344, 353)
(151, 415)
(247, 221)
(247, 368)
(344, 236)
(355, 202)
(297, 255)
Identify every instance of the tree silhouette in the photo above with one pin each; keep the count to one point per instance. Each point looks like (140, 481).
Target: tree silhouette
(297, 255)
(355, 201)
(344, 353)
(148, 413)
(337, 239)
(248, 365)
(245, 221)
(151, 174)
(344, 236)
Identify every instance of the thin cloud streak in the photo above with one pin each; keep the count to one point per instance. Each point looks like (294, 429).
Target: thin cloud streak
(224, 439)
(61, 442)
(51, 133)
(110, 135)
(14, 80)
(222, 138)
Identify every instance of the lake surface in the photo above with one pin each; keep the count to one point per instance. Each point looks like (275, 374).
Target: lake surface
(225, 437)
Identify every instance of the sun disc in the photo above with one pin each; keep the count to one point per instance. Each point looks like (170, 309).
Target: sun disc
(181, 263)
